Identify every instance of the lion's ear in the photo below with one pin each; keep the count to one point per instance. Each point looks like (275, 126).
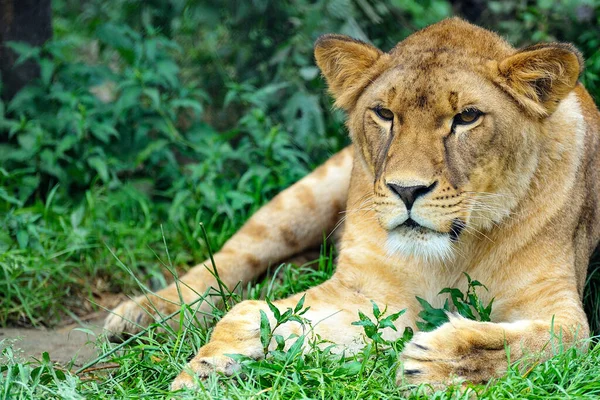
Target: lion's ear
(540, 76)
(345, 63)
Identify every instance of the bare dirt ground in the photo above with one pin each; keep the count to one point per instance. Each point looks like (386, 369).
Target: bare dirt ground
(70, 343)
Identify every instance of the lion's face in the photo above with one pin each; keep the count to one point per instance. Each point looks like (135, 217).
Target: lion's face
(445, 149)
(446, 128)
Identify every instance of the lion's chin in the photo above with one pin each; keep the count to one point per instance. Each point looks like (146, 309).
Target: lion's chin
(420, 242)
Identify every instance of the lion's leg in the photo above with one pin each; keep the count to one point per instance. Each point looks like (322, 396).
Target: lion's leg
(551, 316)
(333, 308)
(293, 221)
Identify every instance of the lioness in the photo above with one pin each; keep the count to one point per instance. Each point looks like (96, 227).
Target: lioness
(468, 156)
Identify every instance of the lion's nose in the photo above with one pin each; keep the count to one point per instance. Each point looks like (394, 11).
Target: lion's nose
(409, 194)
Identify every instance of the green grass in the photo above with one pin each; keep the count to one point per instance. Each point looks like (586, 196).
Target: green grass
(75, 245)
(145, 366)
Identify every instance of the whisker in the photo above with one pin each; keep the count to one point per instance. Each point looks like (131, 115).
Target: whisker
(339, 223)
(472, 230)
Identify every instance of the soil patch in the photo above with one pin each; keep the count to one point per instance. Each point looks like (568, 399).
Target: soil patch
(71, 343)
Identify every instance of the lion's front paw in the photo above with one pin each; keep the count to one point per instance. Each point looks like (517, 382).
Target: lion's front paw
(202, 368)
(134, 315)
(460, 350)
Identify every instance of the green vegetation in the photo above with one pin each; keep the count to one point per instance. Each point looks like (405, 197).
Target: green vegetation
(147, 364)
(467, 305)
(151, 117)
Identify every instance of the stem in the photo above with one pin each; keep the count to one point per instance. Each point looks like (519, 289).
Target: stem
(214, 265)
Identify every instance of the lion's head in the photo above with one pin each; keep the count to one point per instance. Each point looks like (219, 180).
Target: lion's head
(449, 124)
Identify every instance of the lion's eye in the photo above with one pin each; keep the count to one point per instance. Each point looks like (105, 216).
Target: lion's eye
(467, 117)
(384, 113)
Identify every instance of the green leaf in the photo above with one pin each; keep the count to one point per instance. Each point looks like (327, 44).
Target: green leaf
(49, 164)
(24, 50)
(397, 315)
(348, 369)
(456, 295)
(77, 216)
(60, 375)
(154, 95)
(66, 143)
(99, 164)
(120, 38)
(280, 342)
(9, 199)
(477, 283)
(265, 330)
(264, 368)
(150, 149)
(239, 201)
(296, 348)
(370, 330)
(274, 309)
(363, 323)
(46, 71)
(295, 318)
(424, 326)
(376, 337)
(188, 104)
(86, 331)
(263, 96)
(304, 116)
(473, 300)
(168, 71)
(387, 323)
(127, 99)
(432, 317)
(486, 312)
(376, 311)
(363, 317)
(28, 185)
(25, 98)
(300, 304)
(368, 326)
(29, 141)
(103, 131)
(465, 310)
(22, 238)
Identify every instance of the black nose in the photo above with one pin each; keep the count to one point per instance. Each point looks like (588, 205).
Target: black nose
(409, 194)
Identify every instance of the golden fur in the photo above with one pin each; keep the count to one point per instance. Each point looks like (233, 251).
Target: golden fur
(491, 152)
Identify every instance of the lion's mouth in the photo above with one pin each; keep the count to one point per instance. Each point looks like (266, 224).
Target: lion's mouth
(412, 225)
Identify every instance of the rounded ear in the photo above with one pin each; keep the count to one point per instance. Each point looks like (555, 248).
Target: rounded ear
(540, 76)
(347, 65)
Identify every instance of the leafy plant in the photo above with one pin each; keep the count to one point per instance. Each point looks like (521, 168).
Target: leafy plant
(373, 329)
(267, 332)
(379, 350)
(82, 124)
(466, 304)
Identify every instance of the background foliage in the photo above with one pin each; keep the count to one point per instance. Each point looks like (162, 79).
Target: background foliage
(150, 117)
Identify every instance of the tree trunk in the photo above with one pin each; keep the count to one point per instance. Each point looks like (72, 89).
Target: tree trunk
(27, 21)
